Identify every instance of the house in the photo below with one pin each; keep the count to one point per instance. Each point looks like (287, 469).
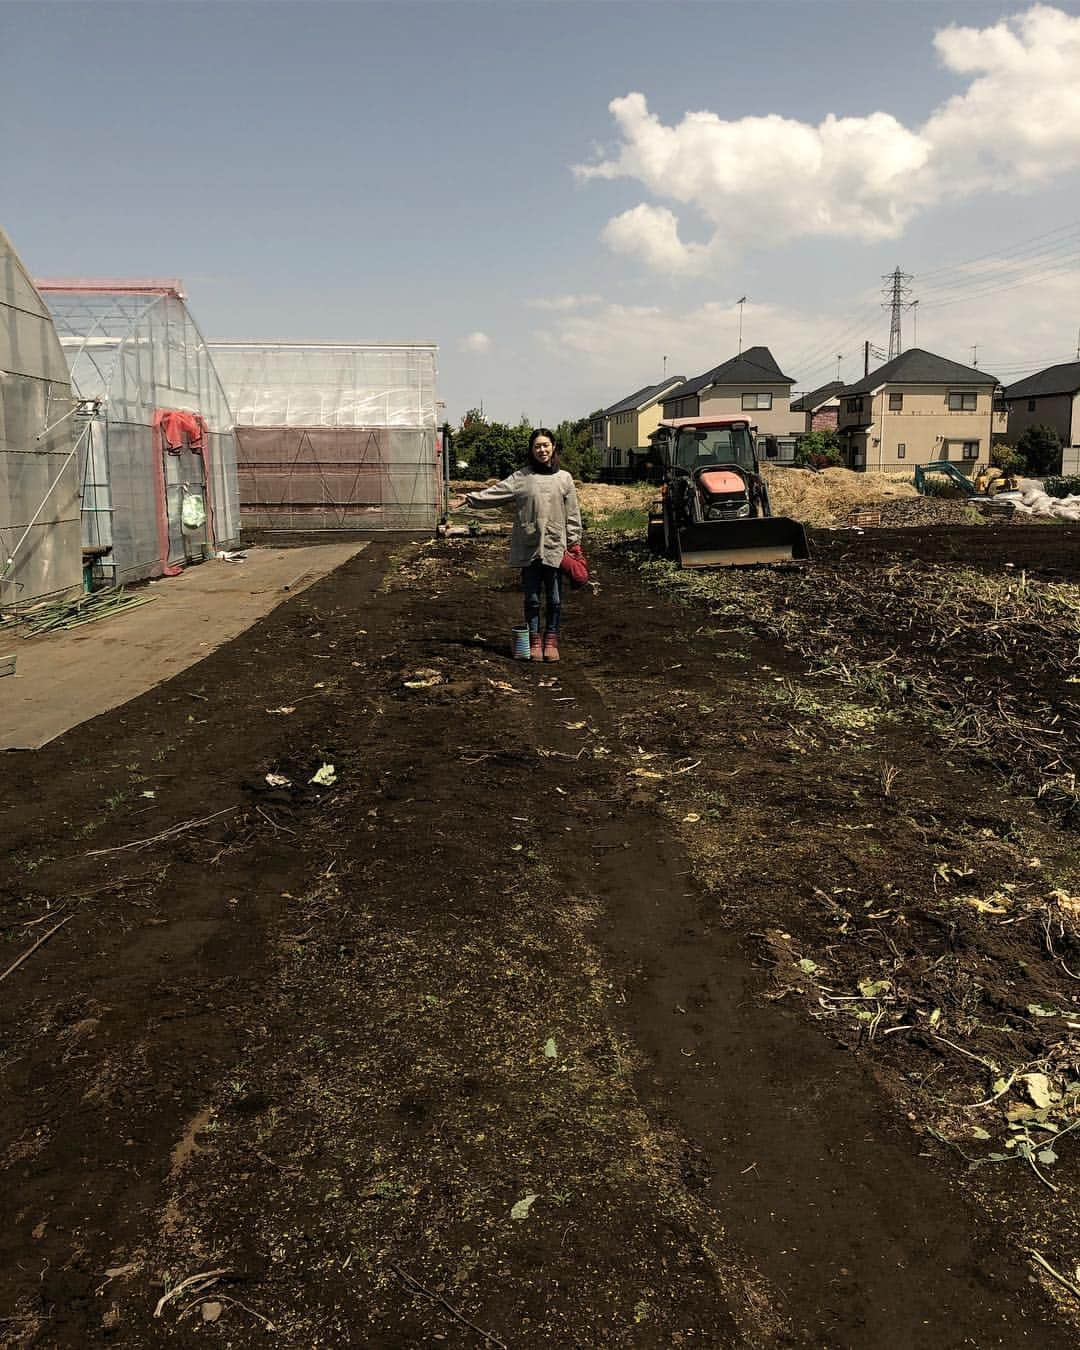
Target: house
(628, 424)
(598, 429)
(821, 407)
(1050, 399)
(749, 385)
(917, 408)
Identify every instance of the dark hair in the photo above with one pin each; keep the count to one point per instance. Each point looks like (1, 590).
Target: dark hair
(553, 463)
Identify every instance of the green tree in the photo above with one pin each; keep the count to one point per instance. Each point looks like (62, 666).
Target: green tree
(819, 450)
(1041, 449)
(576, 451)
(1007, 459)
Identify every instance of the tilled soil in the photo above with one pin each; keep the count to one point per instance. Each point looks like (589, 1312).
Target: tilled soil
(536, 1025)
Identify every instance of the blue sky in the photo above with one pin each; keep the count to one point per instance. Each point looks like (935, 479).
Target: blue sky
(395, 171)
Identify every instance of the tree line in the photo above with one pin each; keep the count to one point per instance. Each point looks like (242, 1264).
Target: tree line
(495, 449)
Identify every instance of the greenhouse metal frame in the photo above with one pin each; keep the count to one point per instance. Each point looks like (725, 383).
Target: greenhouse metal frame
(40, 552)
(334, 436)
(157, 469)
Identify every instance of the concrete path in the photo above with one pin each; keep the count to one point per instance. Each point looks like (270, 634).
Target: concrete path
(63, 679)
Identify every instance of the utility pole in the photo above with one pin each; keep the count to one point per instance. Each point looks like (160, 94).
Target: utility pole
(740, 303)
(1078, 344)
(866, 358)
(665, 367)
(975, 355)
(896, 291)
(839, 358)
(914, 307)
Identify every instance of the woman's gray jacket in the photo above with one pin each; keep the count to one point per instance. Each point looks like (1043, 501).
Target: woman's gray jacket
(547, 519)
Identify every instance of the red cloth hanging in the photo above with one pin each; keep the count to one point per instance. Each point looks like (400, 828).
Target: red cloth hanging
(175, 425)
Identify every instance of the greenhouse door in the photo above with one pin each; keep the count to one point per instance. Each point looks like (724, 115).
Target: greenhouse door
(186, 503)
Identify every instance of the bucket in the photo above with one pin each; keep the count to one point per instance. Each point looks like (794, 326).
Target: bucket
(519, 642)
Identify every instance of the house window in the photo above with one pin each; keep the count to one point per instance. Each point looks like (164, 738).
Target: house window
(962, 402)
(901, 450)
(971, 449)
(896, 402)
(1031, 405)
(853, 405)
(754, 402)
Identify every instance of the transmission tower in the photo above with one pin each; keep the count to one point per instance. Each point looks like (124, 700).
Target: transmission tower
(896, 292)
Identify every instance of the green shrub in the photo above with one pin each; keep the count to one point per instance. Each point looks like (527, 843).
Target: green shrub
(1041, 449)
(1063, 487)
(940, 487)
(1008, 459)
(819, 450)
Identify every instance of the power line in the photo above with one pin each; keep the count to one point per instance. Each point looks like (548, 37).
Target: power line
(1030, 267)
(1020, 247)
(839, 337)
(1068, 265)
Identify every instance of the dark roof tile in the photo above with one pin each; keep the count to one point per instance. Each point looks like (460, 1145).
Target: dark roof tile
(641, 398)
(918, 367)
(753, 366)
(1063, 379)
(827, 392)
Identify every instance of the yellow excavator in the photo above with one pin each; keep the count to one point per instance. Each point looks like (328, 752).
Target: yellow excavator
(986, 481)
(990, 480)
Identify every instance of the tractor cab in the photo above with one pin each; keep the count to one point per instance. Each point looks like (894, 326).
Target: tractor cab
(715, 509)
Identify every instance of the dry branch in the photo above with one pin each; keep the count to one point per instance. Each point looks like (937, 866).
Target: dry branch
(39, 943)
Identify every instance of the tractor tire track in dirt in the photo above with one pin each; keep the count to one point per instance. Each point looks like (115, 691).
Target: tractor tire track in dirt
(335, 1044)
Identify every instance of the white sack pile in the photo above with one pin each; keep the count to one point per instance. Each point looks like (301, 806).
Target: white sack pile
(1032, 501)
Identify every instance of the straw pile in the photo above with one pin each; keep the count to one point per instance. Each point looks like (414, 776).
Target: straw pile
(829, 497)
(601, 499)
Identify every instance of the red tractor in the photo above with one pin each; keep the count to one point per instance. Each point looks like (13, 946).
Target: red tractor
(714, 509)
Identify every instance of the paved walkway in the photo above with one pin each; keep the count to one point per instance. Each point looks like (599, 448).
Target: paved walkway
(63, 679)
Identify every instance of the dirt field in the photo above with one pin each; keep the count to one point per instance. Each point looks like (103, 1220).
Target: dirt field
(716, 987)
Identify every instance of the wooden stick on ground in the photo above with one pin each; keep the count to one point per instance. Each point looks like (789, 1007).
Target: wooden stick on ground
(418, 1288)
(39, 943)
(165, 834)
(204, 1279)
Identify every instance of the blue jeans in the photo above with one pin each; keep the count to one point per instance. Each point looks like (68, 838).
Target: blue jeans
(535, 577)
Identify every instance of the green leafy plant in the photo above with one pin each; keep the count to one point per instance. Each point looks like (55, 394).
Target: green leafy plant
(819, 450)
(1059, 486)
(1041, 449)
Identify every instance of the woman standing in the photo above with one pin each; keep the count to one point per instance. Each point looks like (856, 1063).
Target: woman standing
(547, 521)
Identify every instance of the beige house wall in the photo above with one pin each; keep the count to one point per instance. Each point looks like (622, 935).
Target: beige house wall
(622, 431)
(631, 430)
(925, 426)
(726, 401)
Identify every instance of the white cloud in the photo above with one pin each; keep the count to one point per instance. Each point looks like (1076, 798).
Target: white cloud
(618, 347)
(651, 234)
(1017, 124)
(478, 343)
(562, 304)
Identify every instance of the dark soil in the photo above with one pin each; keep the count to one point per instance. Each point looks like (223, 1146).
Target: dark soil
(1051, 551)
(580, 943)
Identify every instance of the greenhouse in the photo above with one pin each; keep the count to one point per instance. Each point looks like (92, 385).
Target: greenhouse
(333, 436)
(39, 502)
(157, 465)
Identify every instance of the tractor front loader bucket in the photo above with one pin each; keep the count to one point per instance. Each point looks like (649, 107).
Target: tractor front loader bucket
(742, 543)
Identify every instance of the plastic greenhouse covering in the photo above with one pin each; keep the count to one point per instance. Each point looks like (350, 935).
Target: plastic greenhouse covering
(136, 351)
(39, 503)
(333, 435)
